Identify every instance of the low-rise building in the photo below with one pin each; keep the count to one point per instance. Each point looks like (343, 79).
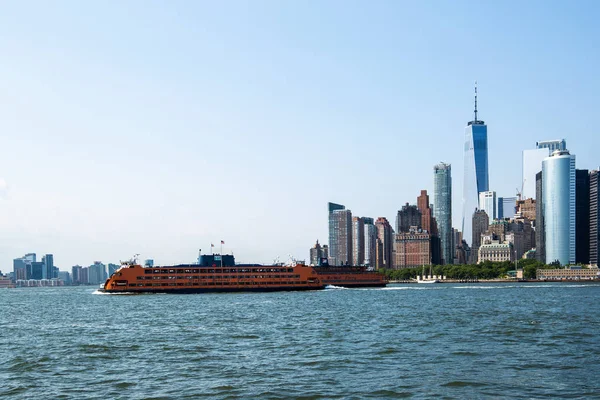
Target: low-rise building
(496, 252)
(569, 273)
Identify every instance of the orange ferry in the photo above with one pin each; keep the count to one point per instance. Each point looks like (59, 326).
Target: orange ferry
(349, 276)
(213, 273)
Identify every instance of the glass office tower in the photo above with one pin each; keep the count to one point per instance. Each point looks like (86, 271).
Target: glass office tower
(558, 196)
(442, 208)
(476, 170)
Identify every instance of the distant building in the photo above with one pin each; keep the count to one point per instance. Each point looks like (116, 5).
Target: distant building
(540, 236)
(506, 207)
(408, 217)
(476, 177)
(112, 268)
(358, 241)
(48, 267)
(429, 225)
(527, 208)
(495, 252)
(370, 235)
(558, 181)
(317, 252)
(487, 203)
(582, 216)
(480, 225)
(97, 273)
(594, 217)
(84, 276)
(76, 275)
(342, 235)
(413, 249)
(552, 145)
(386, 242)
(442, 209)
(147, 263)
(65, 277)
(333, 231)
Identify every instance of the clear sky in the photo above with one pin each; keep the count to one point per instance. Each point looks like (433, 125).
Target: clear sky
(158, 127)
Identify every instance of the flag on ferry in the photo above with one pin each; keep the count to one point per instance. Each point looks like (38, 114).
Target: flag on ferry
(222, 242)
(212, 245)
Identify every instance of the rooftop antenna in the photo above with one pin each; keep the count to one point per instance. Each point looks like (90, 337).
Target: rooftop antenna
(475, 101)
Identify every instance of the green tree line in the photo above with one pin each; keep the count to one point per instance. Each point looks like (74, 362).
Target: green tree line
(485, 270)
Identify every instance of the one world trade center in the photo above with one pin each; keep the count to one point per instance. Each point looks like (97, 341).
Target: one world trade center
(476, 171)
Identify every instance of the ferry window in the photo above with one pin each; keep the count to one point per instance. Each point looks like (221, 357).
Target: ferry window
(157, 271)
(171, 270)
(147, 271)
(194, 271)
(148, 284)
(290, 269)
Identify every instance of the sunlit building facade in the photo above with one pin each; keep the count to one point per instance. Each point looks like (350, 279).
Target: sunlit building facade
(558, 181)
(442, 209)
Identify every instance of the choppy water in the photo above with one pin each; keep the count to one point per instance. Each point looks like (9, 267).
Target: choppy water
(442, 340)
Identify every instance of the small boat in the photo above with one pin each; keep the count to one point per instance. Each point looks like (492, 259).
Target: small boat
(428, 279)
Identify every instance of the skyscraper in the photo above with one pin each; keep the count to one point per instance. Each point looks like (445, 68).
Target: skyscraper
(358, 241)
(594, 217)
(558, 191)
(331, 207)
(317, 252)
(480, 224)
(540, 236)
(48, 269)
(582, 216)
(408, 217)
(370, 236)
(507, 207)
(487, 203)
(342, 238)
(442, 209)
(385, 239)
(476, 178)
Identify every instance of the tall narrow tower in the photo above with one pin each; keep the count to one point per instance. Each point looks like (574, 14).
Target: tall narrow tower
(476, 179)
(442, 208)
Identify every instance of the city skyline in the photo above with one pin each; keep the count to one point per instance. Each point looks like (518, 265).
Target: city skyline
(103, 159)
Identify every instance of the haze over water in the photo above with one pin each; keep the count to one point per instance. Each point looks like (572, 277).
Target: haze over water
(458, 341)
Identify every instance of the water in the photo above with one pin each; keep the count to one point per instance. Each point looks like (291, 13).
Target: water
(442, 340)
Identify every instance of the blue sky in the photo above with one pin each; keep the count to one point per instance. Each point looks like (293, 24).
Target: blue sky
(159, 127)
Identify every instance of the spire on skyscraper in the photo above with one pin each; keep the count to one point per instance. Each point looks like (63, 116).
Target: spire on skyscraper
(475, 101)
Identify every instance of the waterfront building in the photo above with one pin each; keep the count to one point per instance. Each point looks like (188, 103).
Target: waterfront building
(487, 203)
(582, 216)
(480, 224)
(370, 241)
(407, 217)
(496, 252)
(568, 273)
(35, 270)
(318, 252)
(476, 178)
(558, 181)
(524, 235)
(20, 268)
(413, 248)
(532, 164)
(358, 241)
(507, 207)
(540, 237)
(333, 231)
(385, 237)
(342, 235)
(594, 217)
(442, 209)
(65, 277)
